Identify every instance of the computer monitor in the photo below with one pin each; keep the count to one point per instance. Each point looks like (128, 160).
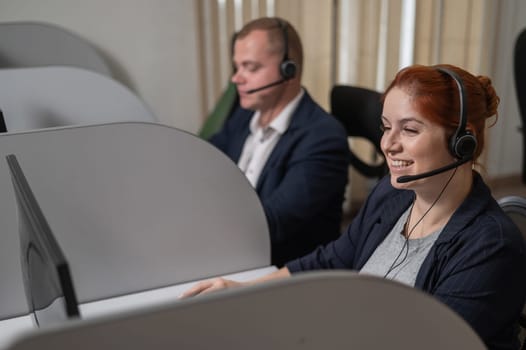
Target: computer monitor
(3, 127)
(47, 280)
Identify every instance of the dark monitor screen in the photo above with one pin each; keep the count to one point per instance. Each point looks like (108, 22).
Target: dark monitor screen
(47, 280)
(3, 127)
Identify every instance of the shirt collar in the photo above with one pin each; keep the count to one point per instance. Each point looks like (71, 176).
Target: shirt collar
(282, 121)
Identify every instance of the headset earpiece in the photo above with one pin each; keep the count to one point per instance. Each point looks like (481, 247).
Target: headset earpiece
(288, 67)
(463, 143)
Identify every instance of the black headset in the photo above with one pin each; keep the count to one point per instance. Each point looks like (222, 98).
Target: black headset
(462, 144)
(287, 67)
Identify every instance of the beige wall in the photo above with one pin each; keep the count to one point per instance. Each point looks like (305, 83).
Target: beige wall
(151, 46)
(312, 19)
(358, 42)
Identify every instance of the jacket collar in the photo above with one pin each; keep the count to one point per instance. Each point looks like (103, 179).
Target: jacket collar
(397, 201)
(300, 118)
(475, 203)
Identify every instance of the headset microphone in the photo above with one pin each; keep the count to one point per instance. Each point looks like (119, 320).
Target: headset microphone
(408, 178)
(281, 81)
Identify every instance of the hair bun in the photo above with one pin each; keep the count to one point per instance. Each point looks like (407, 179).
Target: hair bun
(492, 100)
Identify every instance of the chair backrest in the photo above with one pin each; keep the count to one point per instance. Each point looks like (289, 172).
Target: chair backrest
(520, 71)
(515, 208)
(222, 110)
(359, 110)
(520, 88)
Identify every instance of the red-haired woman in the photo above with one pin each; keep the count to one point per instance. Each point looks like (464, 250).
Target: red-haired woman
(432, 223)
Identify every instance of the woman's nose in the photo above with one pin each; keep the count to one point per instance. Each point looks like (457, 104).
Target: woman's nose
(389, 142)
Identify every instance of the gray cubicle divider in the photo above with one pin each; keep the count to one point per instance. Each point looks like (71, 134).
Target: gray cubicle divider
(322, 310)
(35, 44)
(42, 97)
(134, 205)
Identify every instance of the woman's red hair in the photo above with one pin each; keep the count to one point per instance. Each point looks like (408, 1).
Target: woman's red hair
(435, 96)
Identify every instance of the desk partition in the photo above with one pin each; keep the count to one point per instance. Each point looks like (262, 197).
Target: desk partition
(142, 210)
(135, 206)
(43, 97)
(33, 44)
(321, 310)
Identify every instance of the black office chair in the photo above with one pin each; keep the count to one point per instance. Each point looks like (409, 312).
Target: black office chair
(359, 110)
(515, 208)
(520, 87)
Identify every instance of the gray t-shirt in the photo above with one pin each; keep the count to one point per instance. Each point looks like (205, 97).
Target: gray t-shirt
(409, 254)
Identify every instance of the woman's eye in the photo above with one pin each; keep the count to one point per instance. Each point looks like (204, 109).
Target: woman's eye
(384, 128)
(410, 131)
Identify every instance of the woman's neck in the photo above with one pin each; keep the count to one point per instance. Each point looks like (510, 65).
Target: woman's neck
(433, 208)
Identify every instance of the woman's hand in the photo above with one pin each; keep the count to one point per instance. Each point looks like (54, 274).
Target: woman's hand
(222, 283)
(209, 286)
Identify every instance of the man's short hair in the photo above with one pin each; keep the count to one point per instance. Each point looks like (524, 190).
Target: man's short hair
(276, 28)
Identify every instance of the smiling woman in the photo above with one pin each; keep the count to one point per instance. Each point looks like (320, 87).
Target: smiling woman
(440, 231)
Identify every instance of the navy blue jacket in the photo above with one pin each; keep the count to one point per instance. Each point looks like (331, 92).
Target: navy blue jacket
(477, 266)
(301, 187)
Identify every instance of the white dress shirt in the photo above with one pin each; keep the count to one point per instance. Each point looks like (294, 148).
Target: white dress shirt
(261, 141)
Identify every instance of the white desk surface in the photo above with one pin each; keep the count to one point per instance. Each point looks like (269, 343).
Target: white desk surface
(12, 328)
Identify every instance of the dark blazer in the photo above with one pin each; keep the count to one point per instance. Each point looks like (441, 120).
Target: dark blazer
(477, 266)
(301, 187)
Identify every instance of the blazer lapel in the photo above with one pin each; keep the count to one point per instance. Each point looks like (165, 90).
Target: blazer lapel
(299, 119)
(243, 130)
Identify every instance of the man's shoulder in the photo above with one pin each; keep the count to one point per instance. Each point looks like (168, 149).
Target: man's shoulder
(311, 115)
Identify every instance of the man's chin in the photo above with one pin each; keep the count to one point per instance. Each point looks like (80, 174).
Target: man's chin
(247, 105)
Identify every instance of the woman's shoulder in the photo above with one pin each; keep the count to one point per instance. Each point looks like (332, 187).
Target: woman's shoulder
(484, 223)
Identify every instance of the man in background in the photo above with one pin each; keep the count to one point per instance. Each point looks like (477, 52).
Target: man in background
(293, 153)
